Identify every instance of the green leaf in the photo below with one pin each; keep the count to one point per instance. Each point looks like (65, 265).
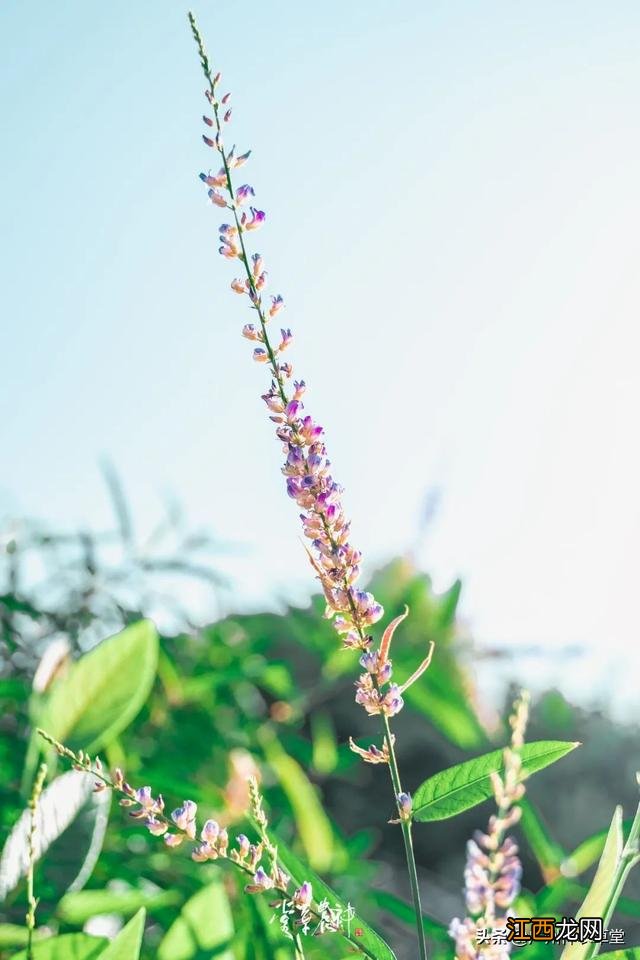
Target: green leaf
(15, 935)
(325, 749)
(547, 852)
(205, 924)
(77, 908)
(66, 803)
(313, 825)
(459, 788)
(370, 943)
(587, 852)
(126, 946)
(389, 903)
(70, 946)
(597, 899)
(104, 690)
(631, 953)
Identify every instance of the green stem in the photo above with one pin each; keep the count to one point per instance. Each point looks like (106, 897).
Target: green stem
(32, 902)
(297, 940)
(405, 826)
(629, 857)
(271, 353)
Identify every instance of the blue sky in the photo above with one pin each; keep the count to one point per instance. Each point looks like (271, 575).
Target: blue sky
(452, 202)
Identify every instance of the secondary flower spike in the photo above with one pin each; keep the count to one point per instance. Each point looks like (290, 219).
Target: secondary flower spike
(493, 870)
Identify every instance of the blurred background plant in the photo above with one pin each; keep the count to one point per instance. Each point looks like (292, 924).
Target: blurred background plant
(265, 694)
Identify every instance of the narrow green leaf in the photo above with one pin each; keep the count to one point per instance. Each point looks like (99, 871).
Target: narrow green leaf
(127, 945)
(325, 748)
(596, 901)
(588, 852)
(390, 903)
(313, 825)
(459, 788)
(70, 946)
(547, 852)
(369, 943)
(104, 690)
(205, 924)
(77, 908)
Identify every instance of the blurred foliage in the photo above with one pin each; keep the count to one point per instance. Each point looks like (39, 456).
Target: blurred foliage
(197, 710)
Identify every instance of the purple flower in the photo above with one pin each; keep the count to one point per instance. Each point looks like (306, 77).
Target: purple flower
(243, 845)
(369, 661)
(210, 832)
(155, 827)
(184, 818)
(405, 805)
(261, 881)
(244, 193)
(256, 220)
(277, 303)
(303, 896)
(392, 701)
(286, 338)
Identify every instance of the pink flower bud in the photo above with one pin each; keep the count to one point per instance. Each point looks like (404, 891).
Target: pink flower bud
(277, 303)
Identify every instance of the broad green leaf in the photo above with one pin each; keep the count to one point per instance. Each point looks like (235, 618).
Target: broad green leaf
(205, 924)
(69, 796)
(77, 908)
(15, 935)
(70, 946)
(103, 690)
(126, 946)
(313, 825)
(73, 855)
(370, 943)
(390, 903)
(597, 899)
(459, 788)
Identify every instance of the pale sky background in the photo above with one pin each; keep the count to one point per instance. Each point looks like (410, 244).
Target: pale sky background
(453, 207)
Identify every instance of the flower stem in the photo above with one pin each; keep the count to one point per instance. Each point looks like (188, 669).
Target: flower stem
(297, 939)
(31, 853)
(405, 826)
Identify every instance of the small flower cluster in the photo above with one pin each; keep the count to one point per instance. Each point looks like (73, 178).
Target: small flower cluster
(181, 825)
(493, 870)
